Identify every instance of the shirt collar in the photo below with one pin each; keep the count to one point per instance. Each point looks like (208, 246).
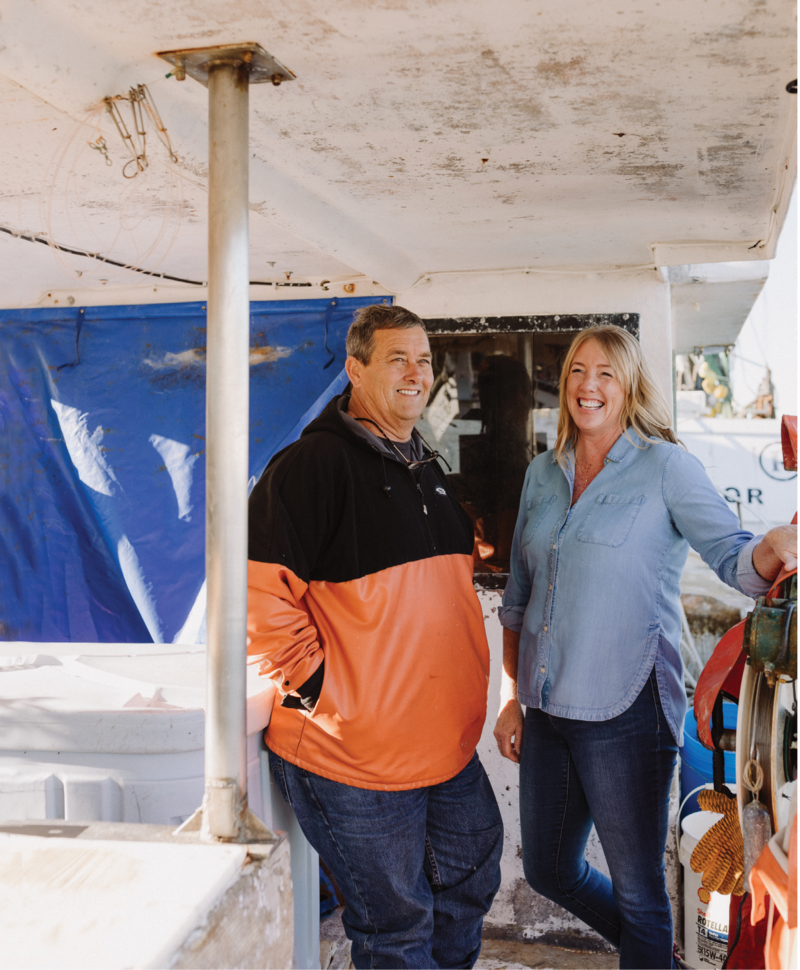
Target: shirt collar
(623, 445)
(378, 443)
(621, 448)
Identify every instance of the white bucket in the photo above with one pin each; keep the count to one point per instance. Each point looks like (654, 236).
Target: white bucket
(705, 914)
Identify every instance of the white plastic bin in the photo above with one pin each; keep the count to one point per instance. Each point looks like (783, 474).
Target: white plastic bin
(115, 733)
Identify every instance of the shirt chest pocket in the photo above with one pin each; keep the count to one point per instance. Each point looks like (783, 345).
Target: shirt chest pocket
(610, 519)
(536, 512)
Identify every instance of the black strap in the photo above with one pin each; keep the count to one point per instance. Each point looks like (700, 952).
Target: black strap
(78, 328)
(328, 314)
(738, 932)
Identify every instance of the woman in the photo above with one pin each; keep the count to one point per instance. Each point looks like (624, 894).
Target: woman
(592, 629)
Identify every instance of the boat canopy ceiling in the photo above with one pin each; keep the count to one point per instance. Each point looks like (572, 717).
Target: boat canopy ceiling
(417, 138)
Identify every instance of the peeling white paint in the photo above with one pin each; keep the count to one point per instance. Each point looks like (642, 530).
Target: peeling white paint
(417, 138)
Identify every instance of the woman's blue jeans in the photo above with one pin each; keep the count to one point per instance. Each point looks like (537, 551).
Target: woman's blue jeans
(617, 774)
(418, 869)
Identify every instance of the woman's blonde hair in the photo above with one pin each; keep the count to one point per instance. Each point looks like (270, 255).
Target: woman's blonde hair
(645, 408)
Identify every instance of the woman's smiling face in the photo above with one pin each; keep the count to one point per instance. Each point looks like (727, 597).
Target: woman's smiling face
(595, 397)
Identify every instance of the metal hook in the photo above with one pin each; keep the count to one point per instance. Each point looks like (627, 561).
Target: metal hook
(140, 101)
(99, 145)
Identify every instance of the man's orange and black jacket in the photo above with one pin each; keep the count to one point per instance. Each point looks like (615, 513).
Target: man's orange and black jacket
(362, 611)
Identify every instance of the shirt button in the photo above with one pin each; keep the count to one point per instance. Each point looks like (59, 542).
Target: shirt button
(545, 629)
(542, 669)
(551, 585)
(554, 546)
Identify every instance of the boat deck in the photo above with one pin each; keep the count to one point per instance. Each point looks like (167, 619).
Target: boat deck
(495, 954)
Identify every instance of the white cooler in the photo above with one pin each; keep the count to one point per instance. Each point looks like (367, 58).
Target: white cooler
(115, 733)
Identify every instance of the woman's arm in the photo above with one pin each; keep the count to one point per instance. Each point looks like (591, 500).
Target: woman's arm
(777, 549)
(706, 520)
(508, 730)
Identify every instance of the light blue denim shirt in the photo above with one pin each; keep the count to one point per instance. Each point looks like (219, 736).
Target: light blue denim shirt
(594, 589)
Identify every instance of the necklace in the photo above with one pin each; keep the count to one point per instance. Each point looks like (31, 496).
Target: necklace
(583, 478)
(585, 473)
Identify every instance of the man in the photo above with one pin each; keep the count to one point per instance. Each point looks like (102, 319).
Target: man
(362, 610)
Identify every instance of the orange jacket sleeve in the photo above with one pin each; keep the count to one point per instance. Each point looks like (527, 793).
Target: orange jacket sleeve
(280, 634)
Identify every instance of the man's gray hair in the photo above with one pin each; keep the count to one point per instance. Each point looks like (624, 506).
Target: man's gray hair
(379, 316)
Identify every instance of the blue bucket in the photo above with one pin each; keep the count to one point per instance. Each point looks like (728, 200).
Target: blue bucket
(696, 760)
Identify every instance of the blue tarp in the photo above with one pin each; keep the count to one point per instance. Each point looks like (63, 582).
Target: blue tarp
(102, 475)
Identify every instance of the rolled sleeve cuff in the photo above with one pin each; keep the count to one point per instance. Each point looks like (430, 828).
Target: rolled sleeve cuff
(511, 617)
(750, 582)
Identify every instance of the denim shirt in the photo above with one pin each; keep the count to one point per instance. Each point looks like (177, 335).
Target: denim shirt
(594, 589)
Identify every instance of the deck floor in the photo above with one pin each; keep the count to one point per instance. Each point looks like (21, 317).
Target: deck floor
(514, 955)
(495, 954)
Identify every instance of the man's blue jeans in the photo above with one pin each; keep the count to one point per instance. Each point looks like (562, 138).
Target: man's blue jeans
(418, 868)
(616, 773)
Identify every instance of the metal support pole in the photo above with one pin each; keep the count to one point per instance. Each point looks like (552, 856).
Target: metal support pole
(228, 70)
(227, 432)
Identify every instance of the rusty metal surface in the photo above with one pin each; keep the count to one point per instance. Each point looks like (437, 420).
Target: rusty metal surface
(770, 633)
(197, 62)
(533, 323)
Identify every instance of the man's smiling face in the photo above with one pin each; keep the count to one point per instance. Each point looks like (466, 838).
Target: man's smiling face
(393, 387)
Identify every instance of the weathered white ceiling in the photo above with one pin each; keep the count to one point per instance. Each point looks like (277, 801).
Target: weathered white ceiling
(419, 137)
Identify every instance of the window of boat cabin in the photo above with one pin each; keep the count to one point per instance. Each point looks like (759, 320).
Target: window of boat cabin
(493, 407)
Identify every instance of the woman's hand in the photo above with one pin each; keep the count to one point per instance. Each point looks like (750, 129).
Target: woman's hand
(508, 730)
(778, 549)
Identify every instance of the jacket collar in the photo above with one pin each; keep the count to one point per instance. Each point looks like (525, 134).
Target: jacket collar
(378, 443)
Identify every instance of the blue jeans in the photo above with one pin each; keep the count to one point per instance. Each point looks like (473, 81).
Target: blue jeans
(617, 774)
(418, 869)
